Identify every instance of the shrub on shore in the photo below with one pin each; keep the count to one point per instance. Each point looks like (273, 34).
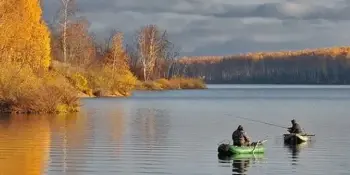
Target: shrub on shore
(172, 84)
(106, 82)
(24, 91)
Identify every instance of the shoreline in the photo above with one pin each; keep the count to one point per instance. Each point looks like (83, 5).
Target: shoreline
(208, 86)
(83, 95)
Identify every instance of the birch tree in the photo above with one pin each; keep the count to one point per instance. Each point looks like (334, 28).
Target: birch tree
(66, 13)
(80, 48)
(153, 50)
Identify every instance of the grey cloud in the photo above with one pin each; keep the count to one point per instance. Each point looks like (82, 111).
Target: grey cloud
(245, 45)
(305, 10)
(285, 40)
(217, 27)
(287, 10)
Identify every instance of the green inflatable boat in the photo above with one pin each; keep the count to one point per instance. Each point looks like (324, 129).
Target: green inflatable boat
(254, 156)
(254, 148)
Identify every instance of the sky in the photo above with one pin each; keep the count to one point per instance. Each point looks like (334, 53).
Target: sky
(223, 27)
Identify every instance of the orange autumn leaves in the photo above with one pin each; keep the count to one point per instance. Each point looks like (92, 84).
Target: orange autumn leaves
(24, 35)
(26, 85)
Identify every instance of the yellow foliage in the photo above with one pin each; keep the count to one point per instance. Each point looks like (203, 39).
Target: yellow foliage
(151, 85)
(187, 83)
(24, 36)
(175, 83)
(191, 83)
(21, 90)
(107, 80)
(331, 52)
(116, 56)
(164, 83)
(81, 83)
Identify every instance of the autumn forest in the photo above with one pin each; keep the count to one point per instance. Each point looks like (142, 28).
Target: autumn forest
(309, 66)
(47, 67)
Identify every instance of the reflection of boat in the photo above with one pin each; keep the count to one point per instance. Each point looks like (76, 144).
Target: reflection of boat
(248, 156)
(295, 149)
(241, 156)
(295, 138)
(227, 149)
(240, 162)
(240, 166)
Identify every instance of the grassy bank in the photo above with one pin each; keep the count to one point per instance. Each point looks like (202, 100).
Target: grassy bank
(172, 84)
(24, 91)
(99, 82)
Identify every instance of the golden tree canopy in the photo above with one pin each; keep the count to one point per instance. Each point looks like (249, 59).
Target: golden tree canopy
(24, 36)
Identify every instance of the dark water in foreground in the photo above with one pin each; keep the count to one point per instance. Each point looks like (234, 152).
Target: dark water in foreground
(177, 132)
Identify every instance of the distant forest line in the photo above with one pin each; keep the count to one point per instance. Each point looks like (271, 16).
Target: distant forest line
(310, 66)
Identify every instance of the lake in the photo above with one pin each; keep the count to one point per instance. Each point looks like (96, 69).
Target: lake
(177, 132)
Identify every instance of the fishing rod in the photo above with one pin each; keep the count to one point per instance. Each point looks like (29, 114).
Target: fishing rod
(262, 122)
(272, 125)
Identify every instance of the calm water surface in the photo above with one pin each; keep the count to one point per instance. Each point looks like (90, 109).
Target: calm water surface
(177, 132)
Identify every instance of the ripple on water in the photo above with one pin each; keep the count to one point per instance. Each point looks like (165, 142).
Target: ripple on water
(157, 135)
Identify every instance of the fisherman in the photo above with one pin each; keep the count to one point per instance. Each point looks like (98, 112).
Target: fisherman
(240, 137)
(295, 129)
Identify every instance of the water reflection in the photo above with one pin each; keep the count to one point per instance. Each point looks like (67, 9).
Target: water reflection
(116, 124)
(24, 144)
(70, 128)
(153, 126)
(68, 135)
(295, 150)
(240, 166)
(240, 163)
(88, 141)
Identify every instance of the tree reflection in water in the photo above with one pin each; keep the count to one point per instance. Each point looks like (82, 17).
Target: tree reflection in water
(151, 126)
(24, 144)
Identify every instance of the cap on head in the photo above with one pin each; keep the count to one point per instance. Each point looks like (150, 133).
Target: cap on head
(240, 128)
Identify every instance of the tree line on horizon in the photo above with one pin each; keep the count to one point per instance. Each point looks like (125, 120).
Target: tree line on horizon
(309, 66)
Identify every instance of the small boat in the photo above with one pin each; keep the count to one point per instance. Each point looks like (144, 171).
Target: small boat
(248, 156)
(229, 150)
(296, 138)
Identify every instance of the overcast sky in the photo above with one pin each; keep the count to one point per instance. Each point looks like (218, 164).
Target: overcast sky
(223, 27)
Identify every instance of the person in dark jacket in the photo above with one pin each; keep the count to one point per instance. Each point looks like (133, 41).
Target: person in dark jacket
(240, 138)
(296, 129)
